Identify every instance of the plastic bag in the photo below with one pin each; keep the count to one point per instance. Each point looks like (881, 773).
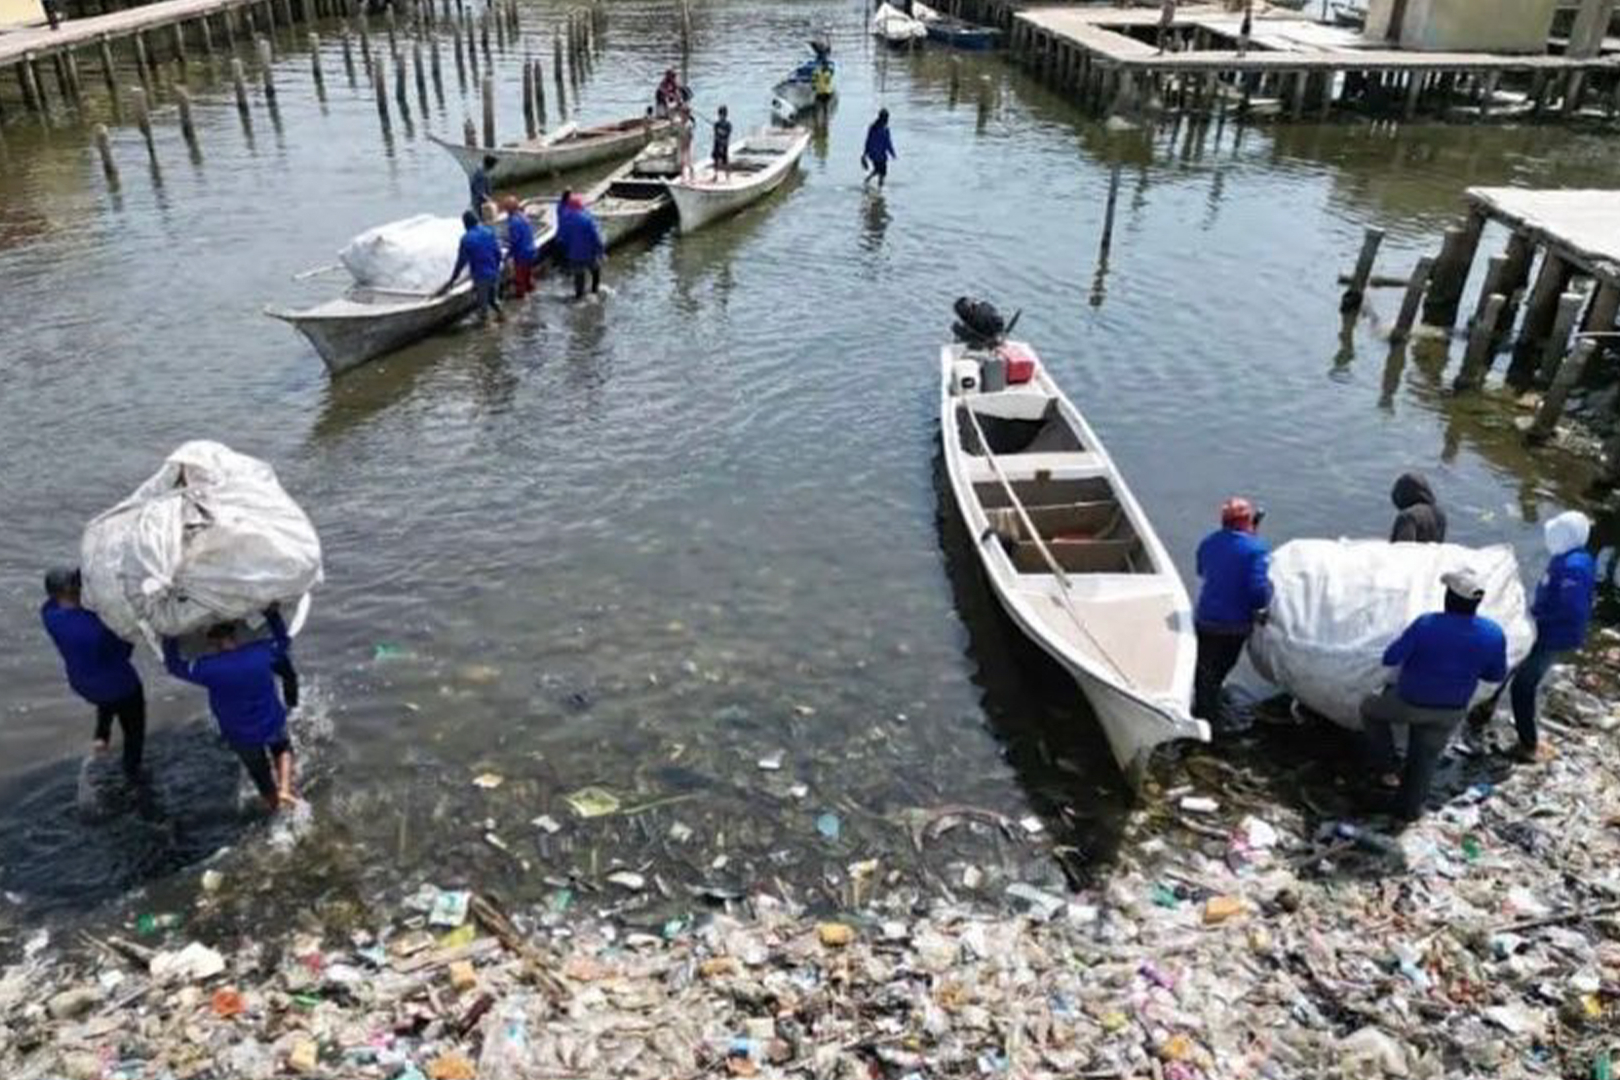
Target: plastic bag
(211, 536)
(415, 253)
(1338, 604)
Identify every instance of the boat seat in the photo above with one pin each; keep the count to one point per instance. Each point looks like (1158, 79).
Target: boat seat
(1062, 521)
(1078, 556)
(1027, 466)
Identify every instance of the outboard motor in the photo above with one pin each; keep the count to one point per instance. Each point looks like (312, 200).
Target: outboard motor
(979, 325)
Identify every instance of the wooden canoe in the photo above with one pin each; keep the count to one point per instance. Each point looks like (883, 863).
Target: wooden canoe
(1070, 554)
(759, 165)
(562, 151)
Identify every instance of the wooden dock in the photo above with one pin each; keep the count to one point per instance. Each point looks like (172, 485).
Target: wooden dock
(1294, 66)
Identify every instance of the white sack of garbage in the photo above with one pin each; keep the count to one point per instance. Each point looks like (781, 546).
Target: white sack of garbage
(210, 537)
(1338, 604)
(415, 253)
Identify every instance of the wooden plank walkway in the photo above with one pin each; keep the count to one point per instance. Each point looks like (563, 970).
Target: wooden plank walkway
(1583, 225)
(1277, 43)
(42, 41)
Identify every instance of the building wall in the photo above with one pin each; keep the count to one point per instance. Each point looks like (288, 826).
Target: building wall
(1520, 26)
(21, 12)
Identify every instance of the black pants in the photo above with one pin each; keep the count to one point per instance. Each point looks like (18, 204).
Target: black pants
(580, 270)
(130, 713)
(1218, 654)
(260, 763)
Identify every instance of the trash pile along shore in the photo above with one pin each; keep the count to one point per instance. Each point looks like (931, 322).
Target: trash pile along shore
(1229, 940)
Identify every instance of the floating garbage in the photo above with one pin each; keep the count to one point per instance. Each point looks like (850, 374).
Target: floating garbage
(590, 802)
(488, 781)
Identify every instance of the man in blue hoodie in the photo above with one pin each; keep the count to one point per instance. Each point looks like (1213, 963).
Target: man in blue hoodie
(1562, 609)
(1233, 563)
(879, 149)
(240, 677)
(579, 242)
(98, 667)
(480, 255)
(1442, 657)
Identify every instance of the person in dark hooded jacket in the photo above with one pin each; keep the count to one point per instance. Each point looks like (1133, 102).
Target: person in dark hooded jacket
(1419, 519)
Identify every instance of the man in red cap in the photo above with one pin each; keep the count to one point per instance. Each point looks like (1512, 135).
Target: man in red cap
(1233, 563)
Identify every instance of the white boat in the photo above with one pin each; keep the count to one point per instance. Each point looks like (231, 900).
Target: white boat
(366, 323)
(1069, 552)
(569, 147)
(895, 27)
(759, 165)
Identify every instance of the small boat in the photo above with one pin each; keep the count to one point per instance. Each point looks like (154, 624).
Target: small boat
(631, 199)
(1350, 14)
(759, 165)
(369, 321)
(894, 27)
(790, 97)
(365, 323)
(569, 147)
(957, 33)
(1068, 551)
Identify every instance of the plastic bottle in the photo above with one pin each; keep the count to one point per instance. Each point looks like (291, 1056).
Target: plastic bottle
(508, 1053)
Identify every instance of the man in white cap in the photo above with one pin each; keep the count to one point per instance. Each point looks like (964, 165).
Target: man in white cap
(1442, 658)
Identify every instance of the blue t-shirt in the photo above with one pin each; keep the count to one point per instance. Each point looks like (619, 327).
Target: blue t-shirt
(578, 238)
(520, 237)
(1563, 604)
(96, 659)
(241, 685)
(479, 252)
(1234, 565)
(1443, 657)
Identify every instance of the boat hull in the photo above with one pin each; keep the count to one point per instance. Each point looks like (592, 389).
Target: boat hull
(698, 203)
(347, 336)
(517, 163)
(971, 38)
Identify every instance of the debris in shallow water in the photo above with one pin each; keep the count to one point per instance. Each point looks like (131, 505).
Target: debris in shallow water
(212, 880)
(1199, 804)
(828, 825)
(547, 823)
(488, 781)
(590, 802)
(771, 762)
(227, 1003)
(628, 879)
(1032, 825)
(195, 963)
(449, 907)
(835, 935)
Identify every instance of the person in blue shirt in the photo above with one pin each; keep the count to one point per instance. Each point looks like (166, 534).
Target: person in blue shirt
(479, 187)
(480, 255)
(520, 244)
(98, 666)
(1234, 564)
(579, 243)
(1562, 609)
(879, 149)
(240, 677)
(1442, 657)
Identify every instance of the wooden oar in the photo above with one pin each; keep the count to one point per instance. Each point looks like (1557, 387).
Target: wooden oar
(1040, 544)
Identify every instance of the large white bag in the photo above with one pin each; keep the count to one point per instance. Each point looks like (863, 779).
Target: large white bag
(415, 253)
(211, 536)
(1338, 604)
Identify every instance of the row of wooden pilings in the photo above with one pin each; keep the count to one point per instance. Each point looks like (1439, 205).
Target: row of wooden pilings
(1103, 84)
(1535, 303)
(415, 57)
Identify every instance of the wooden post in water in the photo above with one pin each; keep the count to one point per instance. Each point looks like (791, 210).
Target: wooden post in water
(1495, 282)
(1605, 310)
(420, 72)
(348, 51)
(1521, 251)
(1370, 240)
(143, 118)
(239, 80)
(207, 32)
(539, 94)
(483, 37)
(104, 148)
(461, 63)
(1481, 340)
(365, 39)
(488, 92)
(1414, 298)
(1541, 310)
(178, 35)
(267, 64)
(182, 98)
(528, 98)
(1552, 403)
(400, 95)
(1451, 272)
(436, 69)
(379, 89)
(70, 61)
(143, 63)
(557, 76)
(469, 31)
(469, 131)
(104, 48)
(1569, 313)
(315, 65)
